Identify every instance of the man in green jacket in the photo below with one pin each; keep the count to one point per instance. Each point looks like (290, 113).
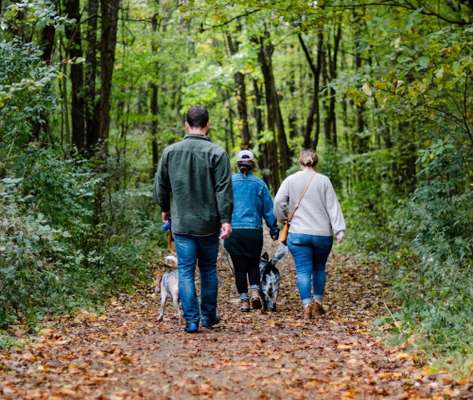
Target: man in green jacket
(193, 185)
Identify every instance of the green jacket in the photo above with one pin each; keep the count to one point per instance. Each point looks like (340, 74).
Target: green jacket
(197, 173)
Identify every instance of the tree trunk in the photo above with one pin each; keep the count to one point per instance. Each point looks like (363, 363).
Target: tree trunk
(314, 111)
(264, 162)
(74, 46)
(242, 107)
(360, 141)
(271, 113)
(48, 34)
(325, 101)
(108, 44)
(333, 60)
(274, 115)
(229, 135)
(292, 118)
(91, 110)
(154, 98)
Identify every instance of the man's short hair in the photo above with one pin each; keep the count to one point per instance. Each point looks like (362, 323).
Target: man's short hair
(197, 117)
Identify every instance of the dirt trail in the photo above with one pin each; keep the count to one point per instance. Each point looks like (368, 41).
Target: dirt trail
(125, 354)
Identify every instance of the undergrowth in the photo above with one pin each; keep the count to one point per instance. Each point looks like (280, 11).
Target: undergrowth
(425, 243)
(59, 249)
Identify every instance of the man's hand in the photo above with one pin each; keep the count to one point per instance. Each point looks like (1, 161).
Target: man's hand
(225, 231)
(339, 236)
(166, 216)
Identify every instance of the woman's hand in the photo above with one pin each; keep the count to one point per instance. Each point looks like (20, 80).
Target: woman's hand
(340, 236)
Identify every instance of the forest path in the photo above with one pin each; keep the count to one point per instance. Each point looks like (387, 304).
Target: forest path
(125, 354)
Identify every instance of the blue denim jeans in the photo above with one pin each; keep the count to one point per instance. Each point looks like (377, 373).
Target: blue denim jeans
(204, 250)
(310, 254)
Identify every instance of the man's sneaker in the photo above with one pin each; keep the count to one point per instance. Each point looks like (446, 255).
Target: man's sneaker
(308, 311)
(317, 308)
(256, 302)
(208, 323)
(244, 305)
(192, 327)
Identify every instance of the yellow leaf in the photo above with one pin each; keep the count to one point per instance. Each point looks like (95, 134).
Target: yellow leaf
(367, 89)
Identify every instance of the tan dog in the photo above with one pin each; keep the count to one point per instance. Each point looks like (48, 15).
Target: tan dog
(168, 284)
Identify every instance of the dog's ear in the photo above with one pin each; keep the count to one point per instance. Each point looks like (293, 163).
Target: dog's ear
(265, 256)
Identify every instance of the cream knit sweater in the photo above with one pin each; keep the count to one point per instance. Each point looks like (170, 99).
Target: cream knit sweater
(319, 212)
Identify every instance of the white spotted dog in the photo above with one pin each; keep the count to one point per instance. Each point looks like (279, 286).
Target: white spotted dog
(270, 278)
(168, 284)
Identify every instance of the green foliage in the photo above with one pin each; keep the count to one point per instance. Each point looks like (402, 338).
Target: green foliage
(25, 91)
(53, 259)
(439, 221)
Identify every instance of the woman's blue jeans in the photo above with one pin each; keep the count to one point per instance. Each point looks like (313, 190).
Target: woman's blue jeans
(310, 254)
(204, 250)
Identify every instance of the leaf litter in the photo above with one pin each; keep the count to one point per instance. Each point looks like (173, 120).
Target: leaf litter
(126, 354)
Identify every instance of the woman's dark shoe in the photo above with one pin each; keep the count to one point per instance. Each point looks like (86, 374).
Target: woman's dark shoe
(244, 305)
(192, 327)
(317, 308)
(256, 302)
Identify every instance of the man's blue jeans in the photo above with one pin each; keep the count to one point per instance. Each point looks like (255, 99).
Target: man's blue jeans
(189, 250)
(310, 254)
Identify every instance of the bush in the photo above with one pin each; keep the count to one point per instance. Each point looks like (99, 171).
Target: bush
(25, 91)
(437, 291)
(53, 257)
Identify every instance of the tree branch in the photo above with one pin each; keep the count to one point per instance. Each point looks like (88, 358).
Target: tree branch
(407, 6)
(307, 54)
(229, 21)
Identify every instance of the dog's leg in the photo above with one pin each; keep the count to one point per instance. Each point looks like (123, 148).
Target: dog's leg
(175, 302)
(163, 303)
(264, 307)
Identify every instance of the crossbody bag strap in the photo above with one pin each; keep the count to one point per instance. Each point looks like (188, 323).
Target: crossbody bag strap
(291, 216)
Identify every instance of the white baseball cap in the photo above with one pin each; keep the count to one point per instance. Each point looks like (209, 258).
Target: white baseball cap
(245, 155)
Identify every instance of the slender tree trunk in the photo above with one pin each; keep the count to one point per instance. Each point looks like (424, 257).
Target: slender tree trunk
(231, 130)
(264, 162)
(325, 101)
(345, 102)
(110, 9)
(74, 46)
(48, 34)
(66, 134)
(333, 75)
(314, 111)
(229, 135)
(242, 107)
(360, 139)
(271, 113)
(92, 123)
(292, 119)
(274, 115)
(154, 97)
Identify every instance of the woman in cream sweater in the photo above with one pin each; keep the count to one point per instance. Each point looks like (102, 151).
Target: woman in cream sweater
(317, 219)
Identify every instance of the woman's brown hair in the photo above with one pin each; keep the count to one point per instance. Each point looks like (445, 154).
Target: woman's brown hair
(308, 158)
